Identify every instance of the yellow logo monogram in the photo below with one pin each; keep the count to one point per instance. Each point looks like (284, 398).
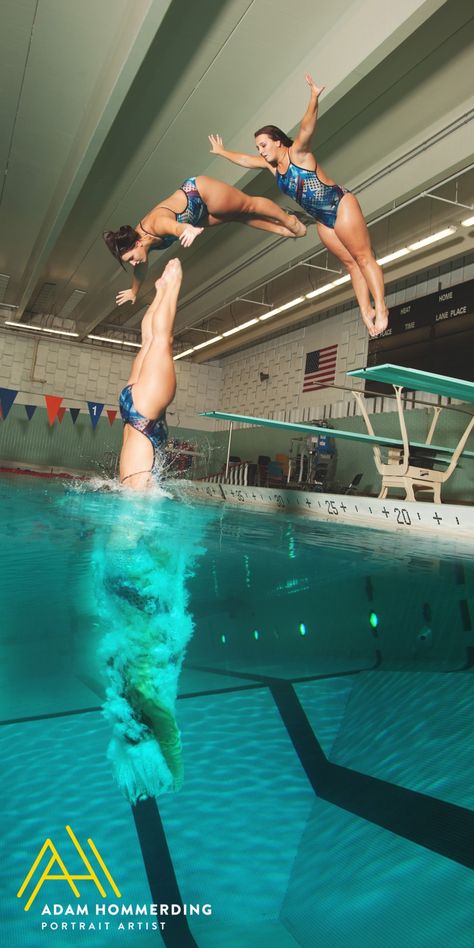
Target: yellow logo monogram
(65, 875)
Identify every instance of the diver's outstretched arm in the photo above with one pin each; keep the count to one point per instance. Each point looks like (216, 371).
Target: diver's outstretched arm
(236, 157)
(302, 143)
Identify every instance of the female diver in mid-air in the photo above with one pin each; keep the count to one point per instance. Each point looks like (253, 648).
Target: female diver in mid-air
(339, 220)
(199, 202)
(151, 385)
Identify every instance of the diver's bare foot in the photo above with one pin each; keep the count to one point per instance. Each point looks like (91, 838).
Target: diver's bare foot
(381, 320)
(159, 289)
(172, 274)
(298, 229)
(169, 283)
(368, 320)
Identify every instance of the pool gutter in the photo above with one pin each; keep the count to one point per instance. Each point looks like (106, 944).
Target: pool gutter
(442, 520)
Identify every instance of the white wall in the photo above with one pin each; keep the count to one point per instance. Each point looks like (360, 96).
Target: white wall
(80, 373)
(283, 359)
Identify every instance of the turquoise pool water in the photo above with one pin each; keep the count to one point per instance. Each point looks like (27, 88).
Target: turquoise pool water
(325, 709)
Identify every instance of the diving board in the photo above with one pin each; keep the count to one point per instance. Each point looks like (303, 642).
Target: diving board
(420, 381)
(400, 471)
(299, 428)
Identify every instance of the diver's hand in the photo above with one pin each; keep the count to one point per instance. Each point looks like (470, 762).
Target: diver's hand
(125, 296)
(189, 235)
(217, 144)
(315, 90)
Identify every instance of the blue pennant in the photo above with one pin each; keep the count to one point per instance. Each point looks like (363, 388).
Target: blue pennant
(7, 397)
(95, 411)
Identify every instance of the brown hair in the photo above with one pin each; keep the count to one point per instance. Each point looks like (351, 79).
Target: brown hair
(275, 134)
(120, 241)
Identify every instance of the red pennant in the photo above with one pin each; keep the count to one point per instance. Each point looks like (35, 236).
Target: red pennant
(53, 403)
(111, 415)
(61, 413)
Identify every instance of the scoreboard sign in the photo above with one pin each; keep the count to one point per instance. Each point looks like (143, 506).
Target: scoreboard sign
(431, 311)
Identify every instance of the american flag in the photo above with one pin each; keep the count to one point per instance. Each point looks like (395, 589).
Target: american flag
(320, 368)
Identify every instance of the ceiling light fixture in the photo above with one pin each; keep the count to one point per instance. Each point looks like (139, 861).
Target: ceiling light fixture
(115, 342)
(426, 241)
(181, 355)
(230, 332)
(319, 290)
(393, 256)
(344, 279)
(468, 222)
(59, 332)
(208, 342)
(280, 309)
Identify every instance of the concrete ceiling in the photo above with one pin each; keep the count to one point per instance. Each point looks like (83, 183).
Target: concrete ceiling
(105, 108)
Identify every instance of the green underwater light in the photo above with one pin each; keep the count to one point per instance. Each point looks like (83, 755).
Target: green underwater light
(302, 628)
(256, 634)
(373, 619)
(223, 639)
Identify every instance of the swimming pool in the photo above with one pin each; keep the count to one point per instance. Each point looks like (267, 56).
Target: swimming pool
(325, 705)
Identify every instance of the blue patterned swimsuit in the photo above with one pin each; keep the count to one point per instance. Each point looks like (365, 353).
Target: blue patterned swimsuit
(155, 429)
(319, 200)
(193, 213)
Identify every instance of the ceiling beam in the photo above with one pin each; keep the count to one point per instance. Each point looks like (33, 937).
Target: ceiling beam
(136, 33)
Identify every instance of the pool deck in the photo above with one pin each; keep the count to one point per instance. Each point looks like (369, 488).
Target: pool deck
(443, 520)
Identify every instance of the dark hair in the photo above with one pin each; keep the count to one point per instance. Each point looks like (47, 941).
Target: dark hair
(120, 241)
(275, 134)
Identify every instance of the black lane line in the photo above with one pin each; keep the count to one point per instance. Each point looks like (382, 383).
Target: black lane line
(228, 673)
(256, 685)
(160, 872)
(445, 828)
(51, 714)
(223, 691)
(268, 679)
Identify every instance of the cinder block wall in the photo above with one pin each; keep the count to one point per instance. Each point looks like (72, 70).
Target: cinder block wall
(37, 367)
(84, 372)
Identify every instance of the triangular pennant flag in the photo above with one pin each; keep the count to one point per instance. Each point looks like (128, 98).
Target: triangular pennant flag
(74, 414)
(95, 411)
(53, 403)
(61, 413)
(7, 397)
(30, 410)
(111, 415)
